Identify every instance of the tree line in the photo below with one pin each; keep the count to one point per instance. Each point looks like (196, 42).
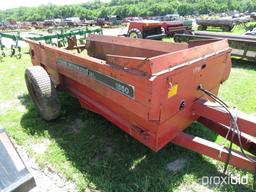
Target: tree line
(124, 8)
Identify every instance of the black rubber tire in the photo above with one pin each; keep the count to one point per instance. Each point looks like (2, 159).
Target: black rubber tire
(42, 92)
(136, 32)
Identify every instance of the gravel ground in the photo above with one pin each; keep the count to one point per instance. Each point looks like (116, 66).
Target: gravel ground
(114, 31)
(46, 180)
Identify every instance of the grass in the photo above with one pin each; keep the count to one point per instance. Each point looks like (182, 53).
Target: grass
(96, 155)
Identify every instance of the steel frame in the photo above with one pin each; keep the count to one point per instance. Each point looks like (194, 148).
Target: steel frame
(244, 46)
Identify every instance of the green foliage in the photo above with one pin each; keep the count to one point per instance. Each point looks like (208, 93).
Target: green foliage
(97, 8)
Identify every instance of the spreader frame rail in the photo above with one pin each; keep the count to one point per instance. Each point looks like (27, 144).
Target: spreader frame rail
(216, 118)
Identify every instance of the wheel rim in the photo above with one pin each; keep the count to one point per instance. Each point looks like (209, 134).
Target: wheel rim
(133, 35)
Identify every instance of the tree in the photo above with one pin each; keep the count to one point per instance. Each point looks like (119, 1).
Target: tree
(186, 9)
(124, 8)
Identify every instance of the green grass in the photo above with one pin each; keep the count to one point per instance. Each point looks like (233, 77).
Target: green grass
(242, 28)
(95, 154)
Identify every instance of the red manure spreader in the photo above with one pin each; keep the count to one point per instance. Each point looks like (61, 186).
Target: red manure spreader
(152, 90)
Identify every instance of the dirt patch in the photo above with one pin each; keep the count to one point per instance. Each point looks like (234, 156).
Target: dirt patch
(177, 165)
(194, 187)
(40, 148)
(7, 105)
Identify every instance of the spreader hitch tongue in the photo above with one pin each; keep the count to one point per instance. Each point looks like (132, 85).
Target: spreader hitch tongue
(234, 126)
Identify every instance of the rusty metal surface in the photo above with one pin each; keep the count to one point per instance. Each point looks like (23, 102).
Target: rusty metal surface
(171, 27)
(144, 24)
(99, 46)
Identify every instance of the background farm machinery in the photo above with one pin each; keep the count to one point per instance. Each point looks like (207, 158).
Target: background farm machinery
(173, 27)
(243, 46)
(15, 48)
(226, 24)
(155, 29)
(62, 38)
(145, 29)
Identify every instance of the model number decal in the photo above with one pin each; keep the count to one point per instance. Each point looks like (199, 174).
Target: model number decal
(111, 82)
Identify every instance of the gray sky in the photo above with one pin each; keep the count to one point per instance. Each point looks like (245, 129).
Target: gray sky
(30, 3)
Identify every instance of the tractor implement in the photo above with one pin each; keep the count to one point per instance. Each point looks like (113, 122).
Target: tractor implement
(226, 24)
(172, 27)
(61, 39)
(152, 90)
(63, 35)
(243, 46)
(145, 29)
(15, 48)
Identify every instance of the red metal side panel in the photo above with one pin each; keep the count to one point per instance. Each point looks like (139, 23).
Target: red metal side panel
(152, 113)
(173, 126)
(130, 63)
(143, 130)
(188, 55)
(99, 46)
(208, 72)
(139, 80)
(155, 105)
(137, 105)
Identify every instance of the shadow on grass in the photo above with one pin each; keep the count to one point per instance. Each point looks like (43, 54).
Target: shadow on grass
(112, 160)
